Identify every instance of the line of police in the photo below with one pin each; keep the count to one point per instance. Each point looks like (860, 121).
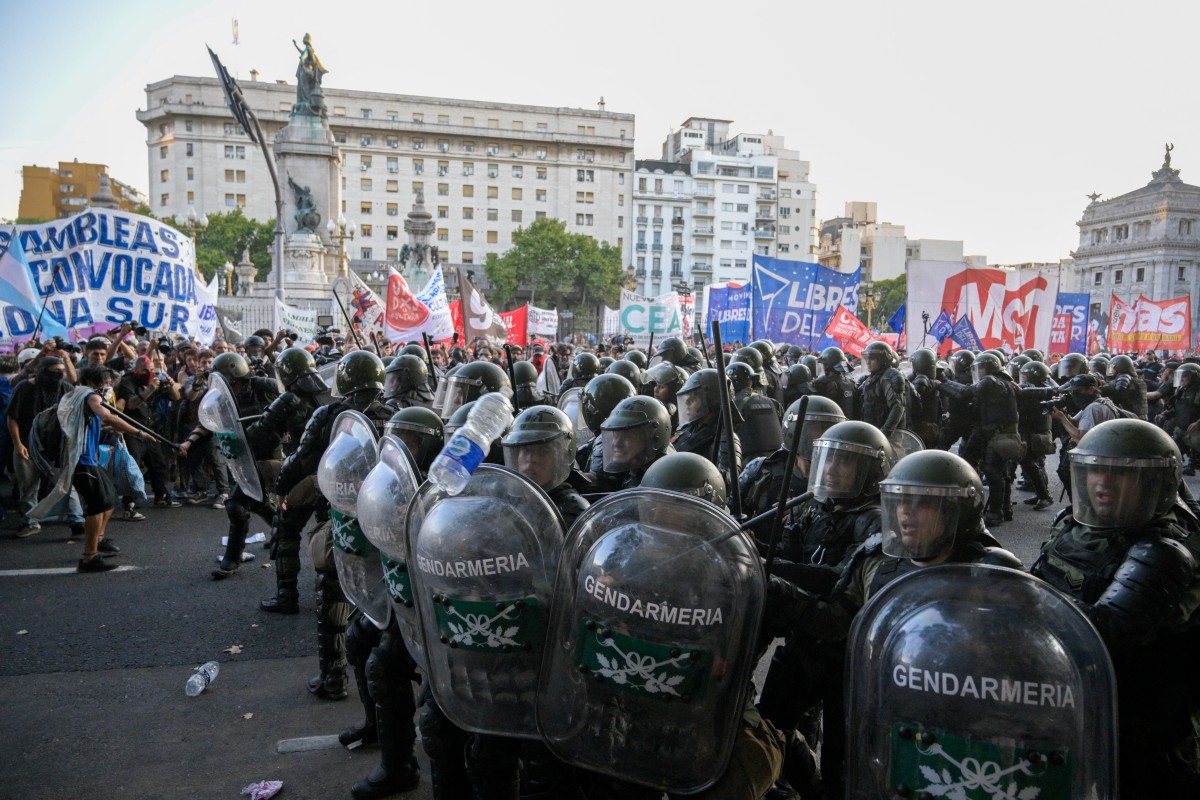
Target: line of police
(633, 438)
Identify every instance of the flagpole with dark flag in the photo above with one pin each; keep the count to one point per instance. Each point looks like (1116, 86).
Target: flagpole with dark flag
(245, 117)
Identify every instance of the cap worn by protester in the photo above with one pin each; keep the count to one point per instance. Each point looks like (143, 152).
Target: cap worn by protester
(1083, 381)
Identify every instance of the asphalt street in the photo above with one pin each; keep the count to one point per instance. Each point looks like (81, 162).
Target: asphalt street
(94, 667)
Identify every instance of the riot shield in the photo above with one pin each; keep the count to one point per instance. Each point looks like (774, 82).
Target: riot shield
(905, 442)
(974, 681)
(570, 402)
(382, 514)
(483, 581)
(658, 604)
(218, 413)
(346, 462)
(352, 453)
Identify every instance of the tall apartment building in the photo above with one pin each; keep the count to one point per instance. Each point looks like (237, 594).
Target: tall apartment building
(485, 168)
(713, 201)
(49, 193)
(882, 248)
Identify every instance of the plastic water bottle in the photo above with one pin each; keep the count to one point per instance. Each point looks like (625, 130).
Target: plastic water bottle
(201, 678)
(489, 418)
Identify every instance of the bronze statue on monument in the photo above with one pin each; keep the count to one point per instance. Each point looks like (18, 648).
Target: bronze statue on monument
(308, 220)
(310, 99)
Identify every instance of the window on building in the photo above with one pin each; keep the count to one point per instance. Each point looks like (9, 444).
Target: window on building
(418, 166)
(784, 212)
(468, 147)
(493, 215)
(540, 195)
(468, 190)
(743, 208)
(443, 119)
(191, 198)
(364, 207)
(468, 235)
(393, 142)
(443, 212)
(165, 175)
(468, 258)
(518, 193)
(493, 237)
(518, 172)
(641, 184)
(393, 210)
(443, 234)
(539, 215)
(1181, 273)
(443, 190)
(468, 168)
(443, 145)
(516, 215)
(493, 149)
(1185, 227)
(443, 168)
(620, 178)
(468, 213)
(493, 192)
(493, 170)
(191, 173)
(418, 143)
(164, 198)
(586, 176)
(1120, 232)
(541, 173)
(365, 184)
(418, 187)
(191, 149)
(365, 230)
(366, 253)
(1118, 276)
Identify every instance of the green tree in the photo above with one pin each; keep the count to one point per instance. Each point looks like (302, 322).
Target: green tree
(226, 237)
(562, 268)
(890, 294)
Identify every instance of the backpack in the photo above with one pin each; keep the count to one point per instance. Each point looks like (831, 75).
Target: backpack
(46, 440)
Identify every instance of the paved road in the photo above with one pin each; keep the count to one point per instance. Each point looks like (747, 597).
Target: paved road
(91, 682)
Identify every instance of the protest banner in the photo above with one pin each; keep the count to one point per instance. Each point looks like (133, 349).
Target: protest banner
(642, 316)
(409, 315)
(1010, 308)
(964, 333)
(366, 307)
(542, 322)
(612, 321)
(848, 331)
(1150, 324)
(301, 320)
(793, 301)
(729, 307)
(1075, 306)
(480, 320)
(1060, 335)
(517, 322)
(102, 268)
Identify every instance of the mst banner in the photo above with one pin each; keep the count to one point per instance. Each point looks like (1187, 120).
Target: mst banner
(1150, 324)
(793, 301)
(101, 268)
(1005, 308)
(642, 316)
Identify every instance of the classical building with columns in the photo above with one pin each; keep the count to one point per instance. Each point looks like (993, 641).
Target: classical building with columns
(1144, 242)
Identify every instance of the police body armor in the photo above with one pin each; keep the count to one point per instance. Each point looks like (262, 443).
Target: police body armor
(351, 455)
(219, 413)
(384, 498)
(978, 682)
(659, 602)
(483, 580)
(840, 390)
(761, 433)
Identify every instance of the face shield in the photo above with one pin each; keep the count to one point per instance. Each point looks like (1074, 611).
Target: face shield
(814, 428)
(1120, 492)
(840, 470)
(309, 384)
(394, 384)
(626, 449)
(692, 406)
(458, 391)
(546, 463)
(919, 522)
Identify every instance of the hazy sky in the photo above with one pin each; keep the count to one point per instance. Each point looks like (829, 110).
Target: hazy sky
(982, 122)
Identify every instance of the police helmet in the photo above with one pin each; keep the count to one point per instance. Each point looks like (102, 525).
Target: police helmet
(820, 415)
(766, 349)
(832, 358)
(600, 397)
(741, 376)
(798, 375)
(926, 500)
(296, 371)
(231, 366)
(700, 396)
(639, 358)
(1035, 373)
(962, 361)
(541, 446)
(667, 375)
(880, 353)
(849, 460)
(674, 350)
(359, 371)
(986, 364)
(404, 374)
(1121, 365)
(924, 362)
(525, 373)
(627, 370)
(687, 473)
(420, 429)
(636, 433)
(472, 381)
(1124, 473)
(1070, 365)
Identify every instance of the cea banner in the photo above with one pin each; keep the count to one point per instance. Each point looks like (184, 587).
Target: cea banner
(1005, 308)
(1150, 324)
(101, 268)
(642, 316)
(729, 306)
(793, 301)
(1068, 333)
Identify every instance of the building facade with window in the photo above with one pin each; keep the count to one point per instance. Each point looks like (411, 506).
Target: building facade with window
(715, 200)
(1144, 242)
(485, 168)
(49, 193)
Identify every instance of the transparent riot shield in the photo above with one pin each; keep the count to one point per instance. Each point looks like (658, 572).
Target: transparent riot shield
(975, 682)
(383, 513)
(346, 462)
(905, 442)
(218, 413)
(483, 565)
(569, 402)
(658, 605)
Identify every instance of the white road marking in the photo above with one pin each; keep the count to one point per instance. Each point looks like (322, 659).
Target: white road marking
(305, 743)
(21, 573)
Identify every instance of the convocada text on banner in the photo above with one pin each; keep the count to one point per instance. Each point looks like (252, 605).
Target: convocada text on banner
(103, 268)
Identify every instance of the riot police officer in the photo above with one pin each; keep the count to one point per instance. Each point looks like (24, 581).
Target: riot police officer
(526, 392)
(596, 402)
(774, 374)
(470, 382)
(927, 422)
(360, 380)
(584, 367)
(663, 382)
(1126, 552)
(676, 352)
(884, 392)
(634, 436)
(1125, 387)
(1035, 426)
(835, 384)
(759, 431)
(406, 383)
(799, 384)
(699, 423)
(627, 370)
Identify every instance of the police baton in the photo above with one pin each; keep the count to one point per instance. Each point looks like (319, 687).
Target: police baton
(788, 470)
(766, 515)
(130, 420)
(512, 373)
(735, 489)
(426, 339)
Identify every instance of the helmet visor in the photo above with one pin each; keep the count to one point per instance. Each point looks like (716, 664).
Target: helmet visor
(625, 449)
(394, 383)
(692, 406)
(458, 392)
(1120, 492)
(545, 463)
(840, 470)
(814, 428)
(309, 384)
(919, 522)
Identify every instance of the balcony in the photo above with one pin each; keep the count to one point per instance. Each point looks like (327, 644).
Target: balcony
(657, 221)
(640, 274)
(703, 230)
(676, 248)
(656, 247)
(641, 246)
(656, 275)
(768, 196)
(677, 222)
(642, 220)
(703, 193)
(701, 268)
(764, 233)
(764, 213)
(703, 250)
(703, 212)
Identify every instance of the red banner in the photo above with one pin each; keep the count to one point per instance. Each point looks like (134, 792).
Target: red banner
(517, 321)
(850, 334)
(1150, 325)
(456, 319)
(1060, 334)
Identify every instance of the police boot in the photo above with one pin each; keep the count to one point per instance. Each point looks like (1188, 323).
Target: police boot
(1006, 505)
(444, 745)
(397, 771)
(287, 573)
(493, 765)
(333, 612)
(361, 638)
(545, 777)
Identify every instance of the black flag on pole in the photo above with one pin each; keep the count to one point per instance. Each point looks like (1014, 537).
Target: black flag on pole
(234, 98)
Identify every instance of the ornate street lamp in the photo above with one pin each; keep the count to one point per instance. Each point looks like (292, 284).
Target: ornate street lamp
(341, 231)
(229, 278)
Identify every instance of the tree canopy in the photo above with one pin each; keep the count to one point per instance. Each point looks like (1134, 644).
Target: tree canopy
(226, 236)
(890, 294)
(562, 268)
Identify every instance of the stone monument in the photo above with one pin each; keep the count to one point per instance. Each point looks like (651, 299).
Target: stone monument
(309, 160)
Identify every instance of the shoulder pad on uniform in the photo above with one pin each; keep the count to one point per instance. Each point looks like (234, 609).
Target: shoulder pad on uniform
(288, 401)
(572, 504)
(756, 464)
(999, 557)
(872, 545)
(1163, 553)
(1066, 512)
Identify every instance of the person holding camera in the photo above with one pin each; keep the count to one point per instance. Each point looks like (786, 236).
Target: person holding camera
(141, 394)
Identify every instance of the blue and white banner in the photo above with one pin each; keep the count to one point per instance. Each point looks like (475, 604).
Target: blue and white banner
(896, 323)
(1078, 307)
(730, 307)
(964, 333)
(793, 301)
(941, 327)
(101, 268)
